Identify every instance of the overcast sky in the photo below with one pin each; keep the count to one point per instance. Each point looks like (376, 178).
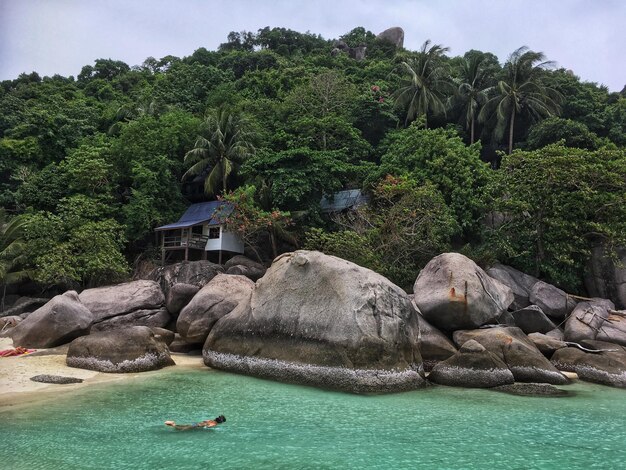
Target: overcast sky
(61, 36)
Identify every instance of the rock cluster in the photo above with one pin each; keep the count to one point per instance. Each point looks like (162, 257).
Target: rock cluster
(320, 320)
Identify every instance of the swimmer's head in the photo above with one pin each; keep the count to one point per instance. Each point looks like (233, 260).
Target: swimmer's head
(220, 419)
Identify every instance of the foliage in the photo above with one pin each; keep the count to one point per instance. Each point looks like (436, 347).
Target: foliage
(13, 254)
(97, 161)
(81, 245)
(224, 143)
(439, 157)
(423, 92)
(405, 226)
(299, 176)
(521, 91)
(250, 221)
(555, 201)
(554, 129)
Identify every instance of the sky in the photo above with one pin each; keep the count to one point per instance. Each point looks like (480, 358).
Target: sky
(61, 36)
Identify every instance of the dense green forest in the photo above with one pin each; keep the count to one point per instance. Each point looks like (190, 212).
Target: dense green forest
(515, 161)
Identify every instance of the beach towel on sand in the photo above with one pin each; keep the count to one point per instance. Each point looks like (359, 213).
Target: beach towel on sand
(19, 351)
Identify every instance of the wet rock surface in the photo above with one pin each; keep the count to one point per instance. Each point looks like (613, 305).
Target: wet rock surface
(519, 353)
(133, 349)
(56, 379)
(319, 317)
(472, 366)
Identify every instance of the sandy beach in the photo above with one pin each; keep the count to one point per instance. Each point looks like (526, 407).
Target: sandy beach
(16, 388)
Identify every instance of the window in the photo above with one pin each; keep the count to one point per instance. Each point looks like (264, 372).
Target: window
(196, 229)
(214, 232)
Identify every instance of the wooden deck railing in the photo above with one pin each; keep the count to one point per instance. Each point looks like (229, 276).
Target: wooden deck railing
(193, 241)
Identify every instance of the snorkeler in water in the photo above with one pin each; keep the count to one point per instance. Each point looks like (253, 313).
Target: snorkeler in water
(208, 423)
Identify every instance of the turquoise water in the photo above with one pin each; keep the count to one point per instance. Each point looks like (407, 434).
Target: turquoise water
(276, 426)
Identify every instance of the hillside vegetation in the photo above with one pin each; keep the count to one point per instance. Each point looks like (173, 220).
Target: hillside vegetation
(90, 165)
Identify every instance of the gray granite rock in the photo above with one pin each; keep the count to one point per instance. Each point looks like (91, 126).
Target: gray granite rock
(546, 344)
(320, 320)
(531, 319)
(215, 300)
(59, 321)
(472, 366)
(178, 296)
(553, 301)
(520, 283)
(133, 349)
(393, 35)
(453, 292)
(120, 299)
(518, 352)
(607, 368)
(586, 320)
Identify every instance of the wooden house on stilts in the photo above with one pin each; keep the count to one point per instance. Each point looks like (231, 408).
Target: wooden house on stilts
(199, 234)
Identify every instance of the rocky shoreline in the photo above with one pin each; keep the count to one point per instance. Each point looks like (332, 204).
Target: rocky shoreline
(322, 321)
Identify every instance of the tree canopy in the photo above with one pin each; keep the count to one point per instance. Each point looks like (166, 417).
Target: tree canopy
(275, 119)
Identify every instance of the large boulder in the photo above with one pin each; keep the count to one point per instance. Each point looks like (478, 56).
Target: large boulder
(244, 266)
(218, 298)
(61, 320)
(133, 349)
(608, 367)
(472, 366)
(552, 300)
(586, 320)
(24, 305)
(531, 319)
(519, 353)
(605, 275)
(157, 317)
(197, 273)
(546, 344)
(614, 329)
(520, 283)
(320, 320)
(393, 35)
(178, 296)
(111, 301)
(453, 292)
(434, 346)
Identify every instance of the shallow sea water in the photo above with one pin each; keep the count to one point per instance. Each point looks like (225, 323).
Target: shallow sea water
(277, 426)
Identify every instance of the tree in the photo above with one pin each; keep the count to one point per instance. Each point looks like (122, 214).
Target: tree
(555, 202)
(521, 91)
(249, 220)
(225, 141)
(13, 254)
(428, 82)
(440, 157)
(471, 93)
(554, 129)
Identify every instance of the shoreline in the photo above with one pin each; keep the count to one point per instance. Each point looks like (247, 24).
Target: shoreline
(16, 388)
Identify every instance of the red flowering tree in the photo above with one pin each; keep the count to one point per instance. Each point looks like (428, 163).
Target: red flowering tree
(251, 222)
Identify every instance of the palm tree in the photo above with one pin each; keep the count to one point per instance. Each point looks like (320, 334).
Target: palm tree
(521, 91)
(224, 142)
(12, 252)
(471, 93)
(427, 83)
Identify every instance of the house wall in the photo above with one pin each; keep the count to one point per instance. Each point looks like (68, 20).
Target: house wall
(227, 241)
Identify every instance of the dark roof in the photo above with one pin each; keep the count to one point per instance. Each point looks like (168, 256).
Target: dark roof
(341, 200)
(213, 212)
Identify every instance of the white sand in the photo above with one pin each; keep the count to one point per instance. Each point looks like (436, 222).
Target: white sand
(16, 388)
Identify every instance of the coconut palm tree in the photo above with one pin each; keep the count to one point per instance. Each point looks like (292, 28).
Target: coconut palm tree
(428, 81)
(224, 142)
(471, 93)
(12, 252)
(521, 91)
